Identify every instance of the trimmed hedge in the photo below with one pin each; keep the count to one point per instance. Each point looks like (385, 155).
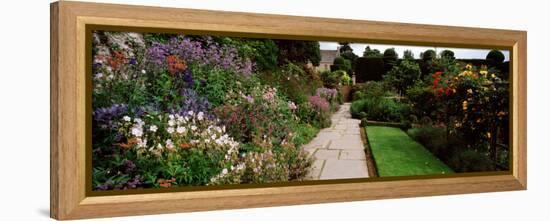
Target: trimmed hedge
(369, 69)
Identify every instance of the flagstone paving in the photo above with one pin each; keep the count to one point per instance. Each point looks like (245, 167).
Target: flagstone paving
(338, 150)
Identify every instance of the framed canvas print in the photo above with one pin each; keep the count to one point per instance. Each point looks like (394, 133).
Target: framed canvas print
(161, 110)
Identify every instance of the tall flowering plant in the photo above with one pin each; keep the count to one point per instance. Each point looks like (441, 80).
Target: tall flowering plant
(474, 103)
(208, 53)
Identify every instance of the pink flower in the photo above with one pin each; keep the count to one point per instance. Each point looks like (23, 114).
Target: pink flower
(269, 95)
(319, 103)
(292, 105)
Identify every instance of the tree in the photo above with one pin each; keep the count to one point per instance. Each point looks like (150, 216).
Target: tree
(495, 56)
(447, 54)
(408, 54)
(345, 47)
(428, 55)
(390, 59)
(299, 52)
(341, 63)
(403, 76)
(370, 53)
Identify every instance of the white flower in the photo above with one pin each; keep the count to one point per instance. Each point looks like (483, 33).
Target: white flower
(224, 171)
(190, 112)
(143, 71)
(98, 75)
(200, 115)
(171, 116)
(159, 146)
(193, 128)
(153, 128)
(142, 143)
(170, 130)
(137, 131)
(169, 144)
(138, 121)
(206, 141)
(181, 130)
(171, 123)
(213, 136)
(127, 119)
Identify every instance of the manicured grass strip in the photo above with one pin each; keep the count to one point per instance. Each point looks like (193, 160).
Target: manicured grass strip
(396, 154)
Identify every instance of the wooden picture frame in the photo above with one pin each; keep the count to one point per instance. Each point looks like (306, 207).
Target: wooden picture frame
(69, 199)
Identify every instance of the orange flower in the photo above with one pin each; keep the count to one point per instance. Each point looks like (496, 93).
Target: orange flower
(175, 64)
(185, 146)
(130, 143)
(166, 183)
(116, 60)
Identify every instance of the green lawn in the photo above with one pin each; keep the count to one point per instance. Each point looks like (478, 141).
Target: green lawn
(396, 154)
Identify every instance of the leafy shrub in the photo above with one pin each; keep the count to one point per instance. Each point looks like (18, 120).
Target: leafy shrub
(470, 161)
(289, 80)
(379, 109)
(495, 56)
(341, 64)
(447, 54)
(262, 114)
(451, 149)
(403, 76)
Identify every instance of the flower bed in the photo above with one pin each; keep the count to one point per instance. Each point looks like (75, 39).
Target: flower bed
(176, 110)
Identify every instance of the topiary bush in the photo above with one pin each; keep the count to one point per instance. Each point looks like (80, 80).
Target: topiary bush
(495, 56)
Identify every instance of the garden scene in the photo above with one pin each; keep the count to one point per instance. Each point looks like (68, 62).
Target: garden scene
(175, 110)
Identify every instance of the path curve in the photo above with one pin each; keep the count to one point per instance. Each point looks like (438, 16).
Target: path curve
(338, 150)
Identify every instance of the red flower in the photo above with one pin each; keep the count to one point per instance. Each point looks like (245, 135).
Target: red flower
(448, 91)
(116, 60)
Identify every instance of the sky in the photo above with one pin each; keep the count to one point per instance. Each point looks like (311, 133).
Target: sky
(460, 53)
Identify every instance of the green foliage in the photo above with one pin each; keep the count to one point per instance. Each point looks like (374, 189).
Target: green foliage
(495, 56)
(390, 54)
(371, 53)
(403, 76)
(214, 83)
(157, 37)
(408, 54)
(390, 59)
(447, 54)
(450, 149)
(379, 109)
(340, 63)
(332, 79)
(307, 114)
(428, 55)
(289, 80)
(263, 51)
(299, 52)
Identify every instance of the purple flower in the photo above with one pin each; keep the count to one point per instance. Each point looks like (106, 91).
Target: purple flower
(208, 53)
(327, 93)
(105, 117)
(129, 166)
(193, 102)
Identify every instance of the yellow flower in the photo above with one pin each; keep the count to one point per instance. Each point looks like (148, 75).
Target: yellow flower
(469, 66)
(489, 135)
(493, 76)
(464, 105)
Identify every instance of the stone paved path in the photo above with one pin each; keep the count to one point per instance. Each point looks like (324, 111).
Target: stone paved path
(338, 150)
